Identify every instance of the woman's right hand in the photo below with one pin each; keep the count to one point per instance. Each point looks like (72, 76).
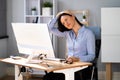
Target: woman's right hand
(66, 11)
(72, 59)
(69, 60)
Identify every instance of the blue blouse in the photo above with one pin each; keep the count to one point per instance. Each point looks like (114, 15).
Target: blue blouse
(82, 46)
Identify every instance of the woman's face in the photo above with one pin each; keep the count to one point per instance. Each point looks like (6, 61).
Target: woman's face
(68, 21)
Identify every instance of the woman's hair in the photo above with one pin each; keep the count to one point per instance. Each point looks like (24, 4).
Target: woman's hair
(61, 27)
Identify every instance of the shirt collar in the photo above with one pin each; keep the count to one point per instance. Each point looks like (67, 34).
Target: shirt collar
(80, 30)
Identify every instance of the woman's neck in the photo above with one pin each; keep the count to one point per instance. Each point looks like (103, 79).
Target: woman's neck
(76, 28)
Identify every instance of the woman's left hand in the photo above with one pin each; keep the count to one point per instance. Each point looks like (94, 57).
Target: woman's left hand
(72, 59)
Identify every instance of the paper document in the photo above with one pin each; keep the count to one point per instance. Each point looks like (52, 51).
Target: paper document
(54, 59)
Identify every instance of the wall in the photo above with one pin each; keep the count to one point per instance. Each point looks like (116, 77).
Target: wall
(3, 42)
(15, 13)
(3, 30)
(94, 7)
(3, 54)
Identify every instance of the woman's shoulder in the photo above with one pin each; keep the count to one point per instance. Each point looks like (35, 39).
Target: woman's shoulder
(87, 29)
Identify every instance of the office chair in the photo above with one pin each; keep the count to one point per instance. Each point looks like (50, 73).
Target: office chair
(91, 73)
(94, 74)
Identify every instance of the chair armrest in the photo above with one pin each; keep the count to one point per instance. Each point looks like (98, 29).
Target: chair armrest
(94, 62)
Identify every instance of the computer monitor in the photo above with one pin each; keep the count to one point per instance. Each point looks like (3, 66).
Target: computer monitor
(32, 38)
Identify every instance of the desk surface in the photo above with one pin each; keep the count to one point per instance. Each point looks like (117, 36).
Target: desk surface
(53, 65)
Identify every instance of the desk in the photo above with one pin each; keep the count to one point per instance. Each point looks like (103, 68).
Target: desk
(55, 66)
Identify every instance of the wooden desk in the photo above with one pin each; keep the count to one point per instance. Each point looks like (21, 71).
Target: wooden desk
(55, 66)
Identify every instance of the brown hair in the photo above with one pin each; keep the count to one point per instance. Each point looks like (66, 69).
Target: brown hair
(61, 27)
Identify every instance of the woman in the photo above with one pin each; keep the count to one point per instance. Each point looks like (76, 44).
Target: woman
(80, 40)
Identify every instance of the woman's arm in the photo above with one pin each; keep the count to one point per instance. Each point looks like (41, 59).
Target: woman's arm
(90, 48)
(53, 29)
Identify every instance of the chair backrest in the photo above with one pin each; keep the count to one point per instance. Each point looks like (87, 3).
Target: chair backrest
(97, 32)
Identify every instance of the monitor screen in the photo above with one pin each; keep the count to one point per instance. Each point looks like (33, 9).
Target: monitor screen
(33, 38)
